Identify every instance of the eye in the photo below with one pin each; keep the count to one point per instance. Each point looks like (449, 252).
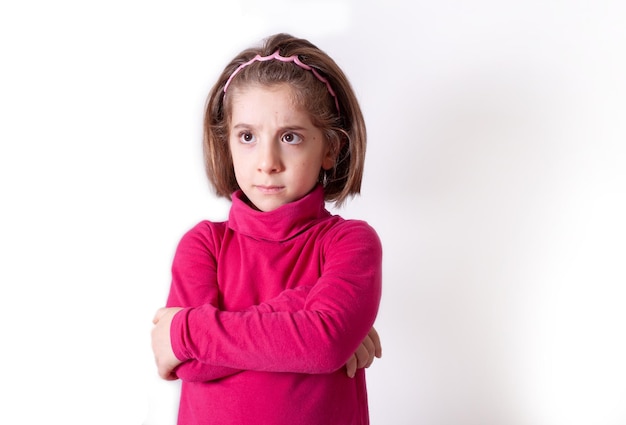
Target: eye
(291, 138)
(246, 137)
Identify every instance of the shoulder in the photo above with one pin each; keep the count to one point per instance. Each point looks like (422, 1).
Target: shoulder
(204, 235)
(353, 252)
(358, 228)
(355, 233)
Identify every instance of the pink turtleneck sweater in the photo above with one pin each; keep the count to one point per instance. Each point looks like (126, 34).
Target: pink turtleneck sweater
(276, 302)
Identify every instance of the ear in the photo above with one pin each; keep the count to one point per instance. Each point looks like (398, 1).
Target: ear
(330, 156)
(328, 163)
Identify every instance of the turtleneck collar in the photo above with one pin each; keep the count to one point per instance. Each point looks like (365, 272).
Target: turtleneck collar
(280, 224)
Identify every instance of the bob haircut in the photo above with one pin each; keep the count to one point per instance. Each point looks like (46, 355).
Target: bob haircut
(344, 129)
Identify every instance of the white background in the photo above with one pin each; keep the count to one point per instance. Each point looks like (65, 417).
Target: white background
(495, 177)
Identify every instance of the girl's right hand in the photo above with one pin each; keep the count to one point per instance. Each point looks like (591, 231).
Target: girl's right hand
(364, 356)
(161, 343)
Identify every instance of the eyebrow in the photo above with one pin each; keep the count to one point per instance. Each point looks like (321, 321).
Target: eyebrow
(285, 128)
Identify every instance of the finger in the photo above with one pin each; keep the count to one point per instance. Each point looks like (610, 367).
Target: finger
(165, 369)
(351, 366)
(371, 352)
(168, 375)
(164, 374)
(157, 315)
(363, 355)
(378, 351)
(370, 360)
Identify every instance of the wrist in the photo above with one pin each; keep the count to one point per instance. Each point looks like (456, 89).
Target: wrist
(179, 334)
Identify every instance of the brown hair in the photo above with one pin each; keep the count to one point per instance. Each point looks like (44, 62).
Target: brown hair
(343, 129)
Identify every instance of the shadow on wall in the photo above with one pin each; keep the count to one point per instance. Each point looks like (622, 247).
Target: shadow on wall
(470, 180)
(467, 170)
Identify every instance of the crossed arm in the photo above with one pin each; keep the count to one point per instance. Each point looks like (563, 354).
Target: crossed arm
(171, 368)
(331, 306)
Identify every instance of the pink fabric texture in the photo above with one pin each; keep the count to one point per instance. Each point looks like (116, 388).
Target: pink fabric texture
(276, 302)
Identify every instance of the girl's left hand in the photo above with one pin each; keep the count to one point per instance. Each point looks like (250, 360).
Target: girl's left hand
(364, 356)
(164, 355)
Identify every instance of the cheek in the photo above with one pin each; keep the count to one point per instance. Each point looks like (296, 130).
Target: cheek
(235, 156)
(310, 169)
(238, 164)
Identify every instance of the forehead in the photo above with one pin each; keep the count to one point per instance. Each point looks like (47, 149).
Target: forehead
(283, 91)
(255, 102)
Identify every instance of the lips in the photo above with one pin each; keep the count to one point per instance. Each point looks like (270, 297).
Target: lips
(269, 189)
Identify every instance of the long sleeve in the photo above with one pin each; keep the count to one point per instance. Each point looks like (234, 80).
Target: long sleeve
(319, 338)
(195, 371)
(194, 282)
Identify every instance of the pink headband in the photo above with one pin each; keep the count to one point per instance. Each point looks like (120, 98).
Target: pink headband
(293, 59)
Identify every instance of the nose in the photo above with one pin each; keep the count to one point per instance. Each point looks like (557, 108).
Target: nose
(269, 160)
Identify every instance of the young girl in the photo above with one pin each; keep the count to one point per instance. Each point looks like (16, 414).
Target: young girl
(270, 314)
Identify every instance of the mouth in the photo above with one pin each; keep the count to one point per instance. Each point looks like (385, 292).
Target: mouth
(269, 190)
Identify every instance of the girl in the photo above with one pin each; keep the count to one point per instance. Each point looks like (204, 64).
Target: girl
(267, 308)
